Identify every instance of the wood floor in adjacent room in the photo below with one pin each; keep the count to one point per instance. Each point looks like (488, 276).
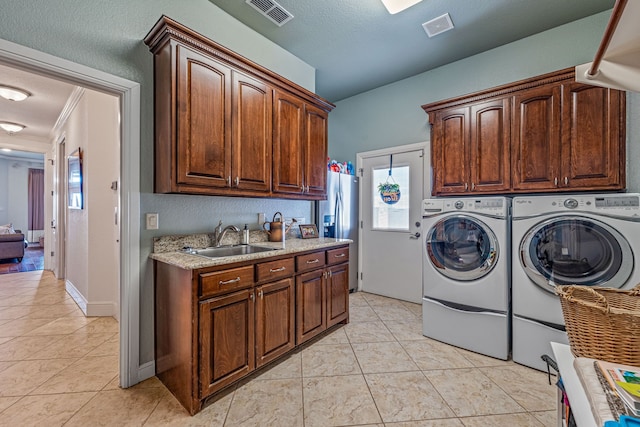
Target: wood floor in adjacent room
(33, 260)
(58, 367)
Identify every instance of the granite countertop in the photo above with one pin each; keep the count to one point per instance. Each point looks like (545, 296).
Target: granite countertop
(170, 254)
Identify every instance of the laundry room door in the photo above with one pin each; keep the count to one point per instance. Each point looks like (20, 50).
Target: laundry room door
(391, 246)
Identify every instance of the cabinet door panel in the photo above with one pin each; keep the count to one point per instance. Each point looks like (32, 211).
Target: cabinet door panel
(490, 146)
(592, 137)
(204, 118)
(536, 138)
(275, 320)
(311, 308)
(338, 294)
(450, 151)
(252, 133)
(227, 345)
(288, 144)
(315, 170)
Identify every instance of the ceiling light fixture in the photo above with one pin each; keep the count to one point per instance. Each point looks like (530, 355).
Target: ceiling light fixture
(13, 93)
(8, 150)
(11, 128)
(395, 6)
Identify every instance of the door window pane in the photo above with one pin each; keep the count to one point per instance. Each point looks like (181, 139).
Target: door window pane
(396, 216)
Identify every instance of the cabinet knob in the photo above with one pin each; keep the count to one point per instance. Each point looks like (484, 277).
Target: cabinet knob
(555, 181)
(473, 186)
(229, 181)
(237, 181)
(566, 180)
(260, 294)
(466, 186)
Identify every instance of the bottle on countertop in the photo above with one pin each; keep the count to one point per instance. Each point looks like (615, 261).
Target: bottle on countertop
(245, 235)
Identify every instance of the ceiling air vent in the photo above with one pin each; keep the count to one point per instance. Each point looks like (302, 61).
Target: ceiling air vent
(438, 25)
(272, 10)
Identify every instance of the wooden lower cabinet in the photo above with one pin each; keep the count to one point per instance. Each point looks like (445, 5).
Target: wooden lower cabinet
(275, 320)
(215, 326)
(337, 294)
(227, 340)
(311, 307)
(322, 300)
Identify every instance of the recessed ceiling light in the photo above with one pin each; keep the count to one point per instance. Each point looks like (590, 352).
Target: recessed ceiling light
(5, 149)
(13, 93)
(395, 6)
(11, 128)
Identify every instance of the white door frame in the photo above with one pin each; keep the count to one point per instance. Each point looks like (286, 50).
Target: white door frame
(385, 152)
(128, 93)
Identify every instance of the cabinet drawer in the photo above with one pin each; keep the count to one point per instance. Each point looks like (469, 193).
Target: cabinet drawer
(310, 261)
(337, 256)
(273, 270)
(224, 281)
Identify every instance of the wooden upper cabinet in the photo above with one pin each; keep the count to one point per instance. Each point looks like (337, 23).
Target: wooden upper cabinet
(593, 137)
(544, 134)
(300, 140)
(252, 134)
(288, 144)
(536, 138)
(219, 128)
(449, 150)
(203, 120)
(470, 148)
(316, 136)
(489, 154)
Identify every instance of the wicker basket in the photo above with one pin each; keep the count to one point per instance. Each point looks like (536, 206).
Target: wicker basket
(602, 323)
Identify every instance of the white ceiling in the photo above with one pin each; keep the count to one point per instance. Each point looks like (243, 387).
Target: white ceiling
(356, 45)
(39, 113)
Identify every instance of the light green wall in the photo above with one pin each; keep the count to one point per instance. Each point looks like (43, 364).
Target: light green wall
(391, 115)
(107, 35)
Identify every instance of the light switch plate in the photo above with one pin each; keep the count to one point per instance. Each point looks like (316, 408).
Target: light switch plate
(152, 221)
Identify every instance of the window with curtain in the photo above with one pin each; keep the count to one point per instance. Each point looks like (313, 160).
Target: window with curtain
(36, 199)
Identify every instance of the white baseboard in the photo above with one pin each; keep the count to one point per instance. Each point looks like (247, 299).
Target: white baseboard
(76, 295)
(101, 309)
(90, 309)
(147, 370)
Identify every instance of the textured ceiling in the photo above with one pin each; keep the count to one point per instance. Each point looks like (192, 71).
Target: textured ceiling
(356, 45)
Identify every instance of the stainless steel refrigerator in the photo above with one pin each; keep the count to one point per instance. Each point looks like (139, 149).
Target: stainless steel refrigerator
(337, 217)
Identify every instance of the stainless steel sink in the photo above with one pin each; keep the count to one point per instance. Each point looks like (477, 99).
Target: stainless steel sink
(225, 251)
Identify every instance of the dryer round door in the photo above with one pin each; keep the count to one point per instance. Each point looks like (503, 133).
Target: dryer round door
(575, 250)
(462, 247)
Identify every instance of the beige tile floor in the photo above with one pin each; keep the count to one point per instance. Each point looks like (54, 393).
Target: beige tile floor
(58, 367)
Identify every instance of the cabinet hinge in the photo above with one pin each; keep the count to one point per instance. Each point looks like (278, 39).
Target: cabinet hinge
(52, 253)
(361, 172)
(361, 224)
(360, 276)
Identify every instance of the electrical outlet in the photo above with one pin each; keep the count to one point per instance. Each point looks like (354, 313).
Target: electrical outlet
(152, 221)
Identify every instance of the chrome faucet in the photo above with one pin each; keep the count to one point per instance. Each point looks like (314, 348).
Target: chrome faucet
(219, 233)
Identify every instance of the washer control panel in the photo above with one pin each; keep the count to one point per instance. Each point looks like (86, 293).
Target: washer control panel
(625, 205)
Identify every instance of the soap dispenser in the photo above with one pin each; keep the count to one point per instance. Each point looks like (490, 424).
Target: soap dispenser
(245, 235)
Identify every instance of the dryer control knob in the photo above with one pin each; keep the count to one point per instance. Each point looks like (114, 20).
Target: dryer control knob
(459, 204)
(571, 203)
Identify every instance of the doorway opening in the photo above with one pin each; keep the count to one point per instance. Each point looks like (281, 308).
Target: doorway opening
(128, 94)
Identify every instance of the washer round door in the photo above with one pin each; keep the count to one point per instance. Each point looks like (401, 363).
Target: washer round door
(462, 247)
(575, 250)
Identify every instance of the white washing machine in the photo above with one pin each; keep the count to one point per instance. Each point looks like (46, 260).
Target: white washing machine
(586, 239)
(466, 273)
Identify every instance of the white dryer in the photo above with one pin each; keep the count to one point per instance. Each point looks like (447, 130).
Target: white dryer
(585, 239)
(466, 273)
